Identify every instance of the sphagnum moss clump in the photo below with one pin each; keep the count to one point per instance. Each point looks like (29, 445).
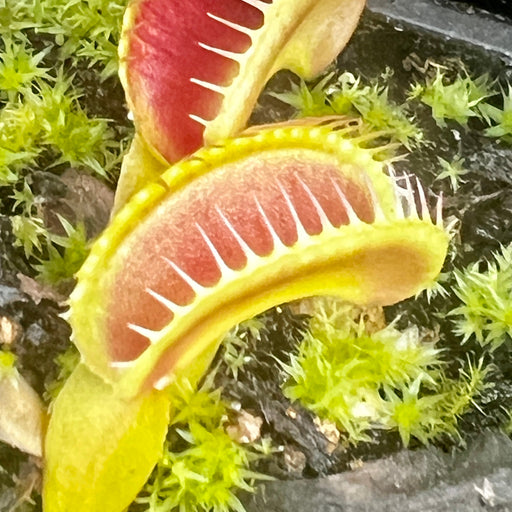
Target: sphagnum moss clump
(458, 99)
(387, 379)
(201, 467)
(486, 295)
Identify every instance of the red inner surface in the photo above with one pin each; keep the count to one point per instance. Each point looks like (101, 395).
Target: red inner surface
(164, 55)
(171, 232)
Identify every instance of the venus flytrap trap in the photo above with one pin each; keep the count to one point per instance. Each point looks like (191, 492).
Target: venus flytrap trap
(331, 219)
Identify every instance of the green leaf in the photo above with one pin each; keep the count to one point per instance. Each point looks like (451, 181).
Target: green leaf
(101, 448)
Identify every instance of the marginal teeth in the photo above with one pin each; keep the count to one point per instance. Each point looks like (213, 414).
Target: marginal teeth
(302, 234)
(196, 287)
(378, 212)
(409, 196)
(198, 119)
(163, 382)
(169, 304)
(223, 53)
(207, 85)
(230, 24)
(151, 335)
(324, 220)
(121, 364)
(439, 211)
(351, 214)
(258, 4)
(425, 213)
(398, 192)
(250, 255)
(278, 243)
(224, 269)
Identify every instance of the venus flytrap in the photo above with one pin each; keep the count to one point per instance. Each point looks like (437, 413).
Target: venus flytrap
(258, 248)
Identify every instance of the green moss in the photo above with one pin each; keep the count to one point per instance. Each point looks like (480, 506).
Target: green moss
(236, 347)
(347, 95)
(486, 296)
(84, 30)
(201, 467)
(499, 119)
(457, 99)
(19, 65)
(66, 361)
(7, 363)
(385, 379)
(453, 171)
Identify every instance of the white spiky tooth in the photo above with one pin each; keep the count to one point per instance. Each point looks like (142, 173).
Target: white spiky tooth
(122, 365)
(197, 288)
(378, 212)
(151, 335)
(223, 53)
(397, 192)
(258, 4)
(198, 119)
(65, 315)
(250, 255)
(169, 304)
(276, 240)
(324, 220)
(302, 234)
(353, 218)
(163, 382)
(223, 267)
(208, 85)
(411, 200)
(231, 24)
(425, 213)
(451, 225)
(439, 210)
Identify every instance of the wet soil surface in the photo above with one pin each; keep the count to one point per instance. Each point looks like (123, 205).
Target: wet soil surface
(483, 204)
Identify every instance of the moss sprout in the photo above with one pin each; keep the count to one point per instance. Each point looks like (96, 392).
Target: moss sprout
(499, 119)
(66, 362)
(61, 264)
(456, 99)
(235, 346)
(453, 171)
(486, 296)
(19, 66)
